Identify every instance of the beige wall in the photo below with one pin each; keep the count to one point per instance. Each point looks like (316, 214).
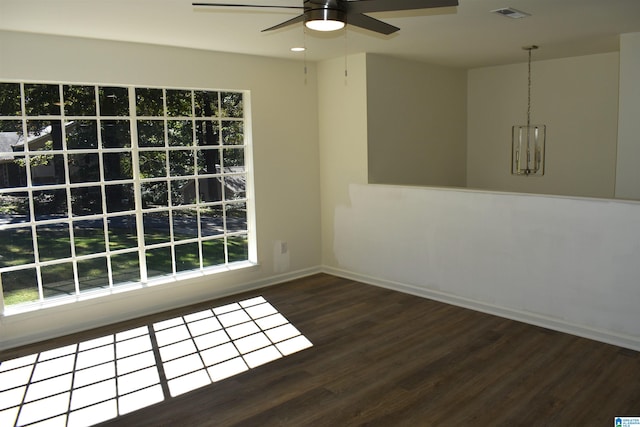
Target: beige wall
(285, 153)
(416, 122)
(576, 98)
(342, 106)
(436, 126)
(628, 170)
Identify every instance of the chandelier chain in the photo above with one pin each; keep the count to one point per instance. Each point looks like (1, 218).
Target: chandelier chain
(529, 48)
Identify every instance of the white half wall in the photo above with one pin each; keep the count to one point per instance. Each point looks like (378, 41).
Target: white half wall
(568, 264)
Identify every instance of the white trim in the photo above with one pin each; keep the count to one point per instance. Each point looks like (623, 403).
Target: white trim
(621, 340)
(1, 299)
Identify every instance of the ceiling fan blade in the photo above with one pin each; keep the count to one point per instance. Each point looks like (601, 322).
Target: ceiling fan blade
(246, 5)
(291, 21)
(368, 23)
(367, 6)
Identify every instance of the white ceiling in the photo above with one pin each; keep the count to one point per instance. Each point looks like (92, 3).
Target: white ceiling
(465, 36)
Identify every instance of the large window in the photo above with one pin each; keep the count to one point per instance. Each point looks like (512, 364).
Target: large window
(104, 186)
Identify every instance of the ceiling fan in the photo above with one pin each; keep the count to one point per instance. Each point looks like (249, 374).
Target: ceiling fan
(331, 15)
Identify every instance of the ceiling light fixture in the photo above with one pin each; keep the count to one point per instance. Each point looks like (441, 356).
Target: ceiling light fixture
(332, 15)
(298, 49)
(527, 141)
(324, 19)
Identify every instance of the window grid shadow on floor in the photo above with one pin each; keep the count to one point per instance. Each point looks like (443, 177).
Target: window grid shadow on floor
(96, 380)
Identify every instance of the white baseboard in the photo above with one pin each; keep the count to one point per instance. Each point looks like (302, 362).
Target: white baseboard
(559, 325)
(620, 340)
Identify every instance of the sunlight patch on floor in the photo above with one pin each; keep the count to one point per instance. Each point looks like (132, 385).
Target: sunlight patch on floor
(89, 382)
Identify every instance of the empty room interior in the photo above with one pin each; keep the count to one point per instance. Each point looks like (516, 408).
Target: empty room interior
(218, 215)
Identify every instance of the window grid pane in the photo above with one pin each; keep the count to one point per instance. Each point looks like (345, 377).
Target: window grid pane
(103, 186)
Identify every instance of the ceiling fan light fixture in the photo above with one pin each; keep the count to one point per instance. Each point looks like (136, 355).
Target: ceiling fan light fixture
(324, 19)
(333, 15)
(324, 25)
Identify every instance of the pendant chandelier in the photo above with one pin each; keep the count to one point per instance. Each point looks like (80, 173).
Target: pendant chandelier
(527, 141)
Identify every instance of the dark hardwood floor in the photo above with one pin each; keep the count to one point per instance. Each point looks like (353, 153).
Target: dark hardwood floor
(384, 358)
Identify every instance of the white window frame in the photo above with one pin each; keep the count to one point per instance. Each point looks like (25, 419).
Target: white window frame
(138, 211)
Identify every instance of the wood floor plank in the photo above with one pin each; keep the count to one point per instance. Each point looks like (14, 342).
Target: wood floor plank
(383, 358)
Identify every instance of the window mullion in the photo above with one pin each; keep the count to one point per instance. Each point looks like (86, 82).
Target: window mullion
(199, 202)
(223, 195)
(67, 180)
(103, 196)
(165, 123)
(27, 165)
(137, 188)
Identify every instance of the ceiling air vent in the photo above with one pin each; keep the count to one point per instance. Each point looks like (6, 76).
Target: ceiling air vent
(511, 13)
